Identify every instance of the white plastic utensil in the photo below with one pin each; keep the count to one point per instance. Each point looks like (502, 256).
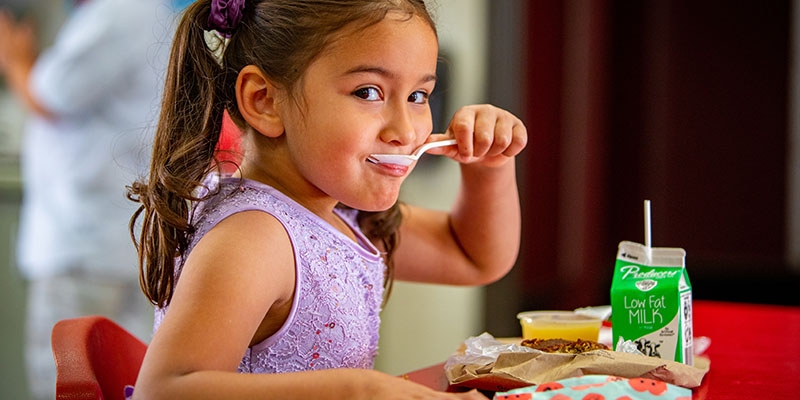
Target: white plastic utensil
(407, 159)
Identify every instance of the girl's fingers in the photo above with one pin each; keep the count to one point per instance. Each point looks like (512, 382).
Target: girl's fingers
(520, 139)
(462, 127)
(487, 132)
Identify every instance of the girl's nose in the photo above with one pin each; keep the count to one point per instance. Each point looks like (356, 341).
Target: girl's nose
(399, 128)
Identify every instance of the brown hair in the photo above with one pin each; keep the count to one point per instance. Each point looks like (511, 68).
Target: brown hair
(281, 37)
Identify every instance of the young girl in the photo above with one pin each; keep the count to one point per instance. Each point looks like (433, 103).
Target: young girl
(279, 270)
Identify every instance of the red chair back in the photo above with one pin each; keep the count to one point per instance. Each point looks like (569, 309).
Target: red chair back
(95, 358)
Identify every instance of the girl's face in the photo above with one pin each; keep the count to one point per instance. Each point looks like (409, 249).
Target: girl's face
(366, 93)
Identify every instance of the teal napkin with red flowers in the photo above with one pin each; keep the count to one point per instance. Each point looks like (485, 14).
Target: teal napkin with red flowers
(599, 387)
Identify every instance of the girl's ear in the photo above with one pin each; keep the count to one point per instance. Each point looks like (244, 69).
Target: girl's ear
(257, 99)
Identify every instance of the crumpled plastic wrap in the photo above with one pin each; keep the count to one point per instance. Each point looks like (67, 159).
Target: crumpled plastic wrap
(483, 349)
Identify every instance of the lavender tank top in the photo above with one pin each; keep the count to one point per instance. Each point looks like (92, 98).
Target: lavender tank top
(334, 319)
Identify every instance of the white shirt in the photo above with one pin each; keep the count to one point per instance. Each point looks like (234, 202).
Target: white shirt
(103, 79)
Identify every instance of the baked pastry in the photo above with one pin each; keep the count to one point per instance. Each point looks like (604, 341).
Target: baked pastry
(563, 345)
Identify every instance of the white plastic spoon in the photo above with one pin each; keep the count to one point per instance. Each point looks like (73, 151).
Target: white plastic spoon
(406, 159)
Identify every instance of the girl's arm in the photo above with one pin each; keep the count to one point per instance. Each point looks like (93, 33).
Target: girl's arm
(234, 279)
(477, 242)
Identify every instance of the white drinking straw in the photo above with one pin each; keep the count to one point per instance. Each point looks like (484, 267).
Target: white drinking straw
(647, 223)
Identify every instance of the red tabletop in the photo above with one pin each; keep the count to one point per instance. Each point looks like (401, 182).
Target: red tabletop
(754, 352)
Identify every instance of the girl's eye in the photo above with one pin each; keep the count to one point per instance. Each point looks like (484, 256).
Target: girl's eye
(418, 97)
(368, 93)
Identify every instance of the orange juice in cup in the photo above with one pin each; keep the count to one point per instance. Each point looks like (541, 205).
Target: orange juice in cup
(565, 325)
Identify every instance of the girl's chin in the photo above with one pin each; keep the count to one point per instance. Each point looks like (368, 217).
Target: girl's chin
(374, 206)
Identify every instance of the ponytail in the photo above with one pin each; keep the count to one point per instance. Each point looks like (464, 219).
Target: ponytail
(183, 154)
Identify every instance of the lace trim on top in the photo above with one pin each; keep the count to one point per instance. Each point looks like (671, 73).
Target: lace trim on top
(335, 315)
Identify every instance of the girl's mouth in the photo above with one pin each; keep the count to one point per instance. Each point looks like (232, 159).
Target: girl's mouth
(390, 169)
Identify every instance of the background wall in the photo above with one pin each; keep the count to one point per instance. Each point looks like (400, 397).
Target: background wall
(692, 105)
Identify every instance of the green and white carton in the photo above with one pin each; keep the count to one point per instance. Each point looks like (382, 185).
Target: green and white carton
(651, 302)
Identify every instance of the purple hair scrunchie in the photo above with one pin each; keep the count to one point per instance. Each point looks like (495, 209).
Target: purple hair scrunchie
(225, 16)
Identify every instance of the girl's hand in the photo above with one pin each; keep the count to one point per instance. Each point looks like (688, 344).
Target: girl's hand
(486, 135)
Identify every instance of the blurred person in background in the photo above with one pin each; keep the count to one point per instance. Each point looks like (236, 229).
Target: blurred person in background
(93, 99)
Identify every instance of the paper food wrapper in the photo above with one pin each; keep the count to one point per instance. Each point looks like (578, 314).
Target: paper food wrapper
(487, 364)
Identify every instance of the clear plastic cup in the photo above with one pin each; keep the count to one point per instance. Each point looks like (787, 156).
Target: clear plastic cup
(565, 325)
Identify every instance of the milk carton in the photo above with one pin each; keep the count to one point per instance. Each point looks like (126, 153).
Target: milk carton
(651, 301)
